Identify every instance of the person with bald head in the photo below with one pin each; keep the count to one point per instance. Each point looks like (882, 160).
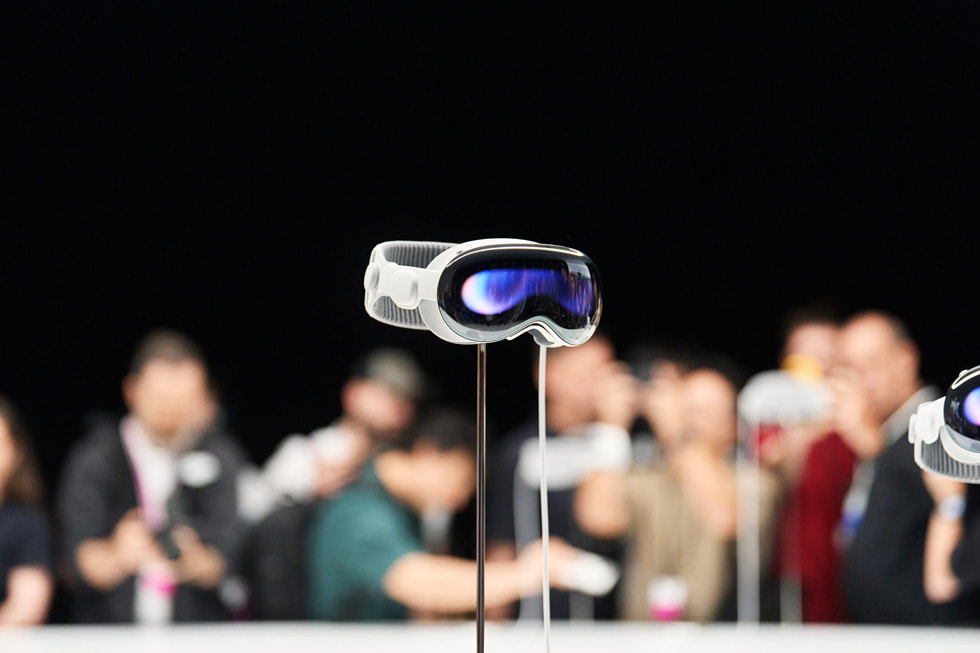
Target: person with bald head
(886, 513)
(877, 385)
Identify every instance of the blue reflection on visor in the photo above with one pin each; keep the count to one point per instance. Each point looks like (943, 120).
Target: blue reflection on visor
(494, 291)
(971, 406)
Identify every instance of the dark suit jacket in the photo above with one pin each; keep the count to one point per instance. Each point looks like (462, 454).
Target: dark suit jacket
(97, 488)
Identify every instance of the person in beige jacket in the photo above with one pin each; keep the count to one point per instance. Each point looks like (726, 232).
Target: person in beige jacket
(678, 513)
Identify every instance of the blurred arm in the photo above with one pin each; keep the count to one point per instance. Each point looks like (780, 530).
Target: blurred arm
(423, 581)
(199, 564)
(617, 396)
(942, 537)
(103, 563)
(99, 566)
(500, 551)
(853, 416)
(709, 484)
(601, 504)
(29, 591)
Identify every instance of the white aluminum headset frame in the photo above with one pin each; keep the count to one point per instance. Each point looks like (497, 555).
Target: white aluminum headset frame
(415, 289)
(928, 424)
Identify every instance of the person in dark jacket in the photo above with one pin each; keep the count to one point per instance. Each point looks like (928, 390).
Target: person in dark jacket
(148, 505)
(877, 390)
(26, 578)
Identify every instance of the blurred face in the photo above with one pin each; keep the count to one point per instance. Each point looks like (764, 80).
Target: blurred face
(170, 399)
(373, 405)
(709, 401)
(885, 367)
(446, 479)
(9, 454)
(815, 341)
(572, 375)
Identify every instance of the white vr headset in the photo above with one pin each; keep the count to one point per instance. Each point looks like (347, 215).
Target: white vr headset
(485, 290)
(945, 433)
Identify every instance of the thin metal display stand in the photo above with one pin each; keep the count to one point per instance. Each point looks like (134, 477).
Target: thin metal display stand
(747, 540)
(481, 491)
(748, 545)
(481, 496)
(543, 491)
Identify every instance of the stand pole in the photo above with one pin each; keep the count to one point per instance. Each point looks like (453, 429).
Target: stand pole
(481, 490)
(747, 550)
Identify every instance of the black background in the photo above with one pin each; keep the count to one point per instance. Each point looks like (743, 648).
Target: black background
(226, 169)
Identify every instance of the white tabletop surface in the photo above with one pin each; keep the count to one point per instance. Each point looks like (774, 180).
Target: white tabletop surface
(501, 638)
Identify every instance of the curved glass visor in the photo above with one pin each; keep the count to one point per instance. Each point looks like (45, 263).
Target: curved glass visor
(962, 410)
(494, 293)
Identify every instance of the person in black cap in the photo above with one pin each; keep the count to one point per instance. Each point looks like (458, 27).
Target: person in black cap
(378, 402)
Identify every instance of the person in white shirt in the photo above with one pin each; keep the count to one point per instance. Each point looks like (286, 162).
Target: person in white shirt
(147, 504)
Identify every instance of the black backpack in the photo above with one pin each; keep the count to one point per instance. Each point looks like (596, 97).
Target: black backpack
(275, 563)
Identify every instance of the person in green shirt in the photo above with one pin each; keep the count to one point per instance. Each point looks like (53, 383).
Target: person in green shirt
(365, 552)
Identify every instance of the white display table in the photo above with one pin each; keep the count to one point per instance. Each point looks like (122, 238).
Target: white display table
(460, 637)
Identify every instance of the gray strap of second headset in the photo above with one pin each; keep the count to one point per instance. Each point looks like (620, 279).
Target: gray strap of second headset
(410, 254)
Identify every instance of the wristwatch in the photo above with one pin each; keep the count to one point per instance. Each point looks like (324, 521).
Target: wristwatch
(952, 507)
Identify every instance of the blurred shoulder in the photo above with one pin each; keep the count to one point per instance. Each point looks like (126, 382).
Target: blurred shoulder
(22, 515)
(100, 445)
(225, 445)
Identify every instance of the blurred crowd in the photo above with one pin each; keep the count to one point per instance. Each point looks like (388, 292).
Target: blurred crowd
(655, 465)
